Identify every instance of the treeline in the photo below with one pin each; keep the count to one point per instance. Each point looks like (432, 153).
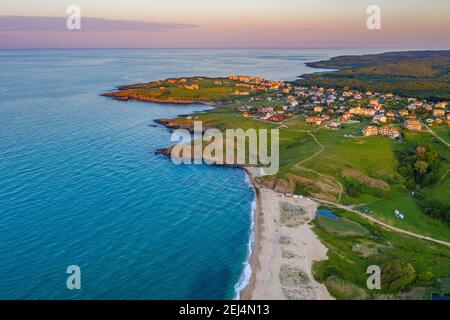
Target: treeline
(434, 209)
(421, 74)
(418, 164)
(427, 89)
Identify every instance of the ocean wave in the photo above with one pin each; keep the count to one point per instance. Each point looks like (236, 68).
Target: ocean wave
(246, 274)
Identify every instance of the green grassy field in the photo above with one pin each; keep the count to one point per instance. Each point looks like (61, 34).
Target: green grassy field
(443, 133)
(371, 162)
(354, 244)
(206, 92)
(415, 219)
(352, 170)
(367, 162)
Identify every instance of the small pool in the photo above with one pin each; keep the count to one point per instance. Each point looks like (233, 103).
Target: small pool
(327, 214)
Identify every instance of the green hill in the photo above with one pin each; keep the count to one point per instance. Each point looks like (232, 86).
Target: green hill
(421, 74)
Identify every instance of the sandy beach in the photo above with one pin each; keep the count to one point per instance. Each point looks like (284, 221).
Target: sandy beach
(285, 249)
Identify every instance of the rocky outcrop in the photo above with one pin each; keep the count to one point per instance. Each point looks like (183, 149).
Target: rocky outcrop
(167, 152)
(177, 123)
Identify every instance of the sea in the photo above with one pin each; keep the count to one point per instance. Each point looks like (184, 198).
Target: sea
(80, 184)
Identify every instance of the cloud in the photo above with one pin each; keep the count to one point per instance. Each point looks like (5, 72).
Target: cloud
(56, 24)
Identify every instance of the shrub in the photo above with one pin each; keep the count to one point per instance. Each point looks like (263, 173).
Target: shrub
(322, 270)
(425, 277)
(344, 290)
(396, 275)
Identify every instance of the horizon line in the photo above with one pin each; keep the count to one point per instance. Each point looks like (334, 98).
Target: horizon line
(226, 48)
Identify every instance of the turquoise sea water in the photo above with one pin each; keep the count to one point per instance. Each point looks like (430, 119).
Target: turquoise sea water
(80, 183)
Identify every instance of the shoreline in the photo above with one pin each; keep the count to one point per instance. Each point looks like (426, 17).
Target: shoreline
(266, 259)
(250, 285)
(246, 274)
(252, 260)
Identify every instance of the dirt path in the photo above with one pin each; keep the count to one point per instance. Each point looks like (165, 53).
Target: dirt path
(322, 149)
(443, 177)
(388, 226)
(434, 134)
(351, 208)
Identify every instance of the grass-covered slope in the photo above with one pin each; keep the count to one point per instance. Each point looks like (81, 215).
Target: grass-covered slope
(187, 90)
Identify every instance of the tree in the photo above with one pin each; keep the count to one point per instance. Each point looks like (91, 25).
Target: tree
(396, 275)
(421, 167)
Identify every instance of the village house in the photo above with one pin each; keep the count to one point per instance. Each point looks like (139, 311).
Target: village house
(192, 87)
(374, 103)
(439, 112)
(370, 131)
(314, 120)
(415, 105)
(334, 124)
(318, 109)
(389, 131)
(241, 93)
(365, 112)
(346, 116)
(277, 118)
(403, 113)
(413, 125)
(246, 79)
(346, 94)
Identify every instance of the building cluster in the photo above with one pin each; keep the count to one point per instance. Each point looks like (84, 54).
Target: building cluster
(387, 131)
(276, 101)
(331, 107)
(256, 84)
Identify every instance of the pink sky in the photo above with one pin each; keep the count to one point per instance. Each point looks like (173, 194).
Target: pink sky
(232, 23)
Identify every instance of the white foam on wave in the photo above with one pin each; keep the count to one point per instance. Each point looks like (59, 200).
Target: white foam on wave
(244, 279)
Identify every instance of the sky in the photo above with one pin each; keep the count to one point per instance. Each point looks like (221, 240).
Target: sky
(414, 24)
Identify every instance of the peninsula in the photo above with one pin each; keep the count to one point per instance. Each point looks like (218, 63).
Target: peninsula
(363, 164)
